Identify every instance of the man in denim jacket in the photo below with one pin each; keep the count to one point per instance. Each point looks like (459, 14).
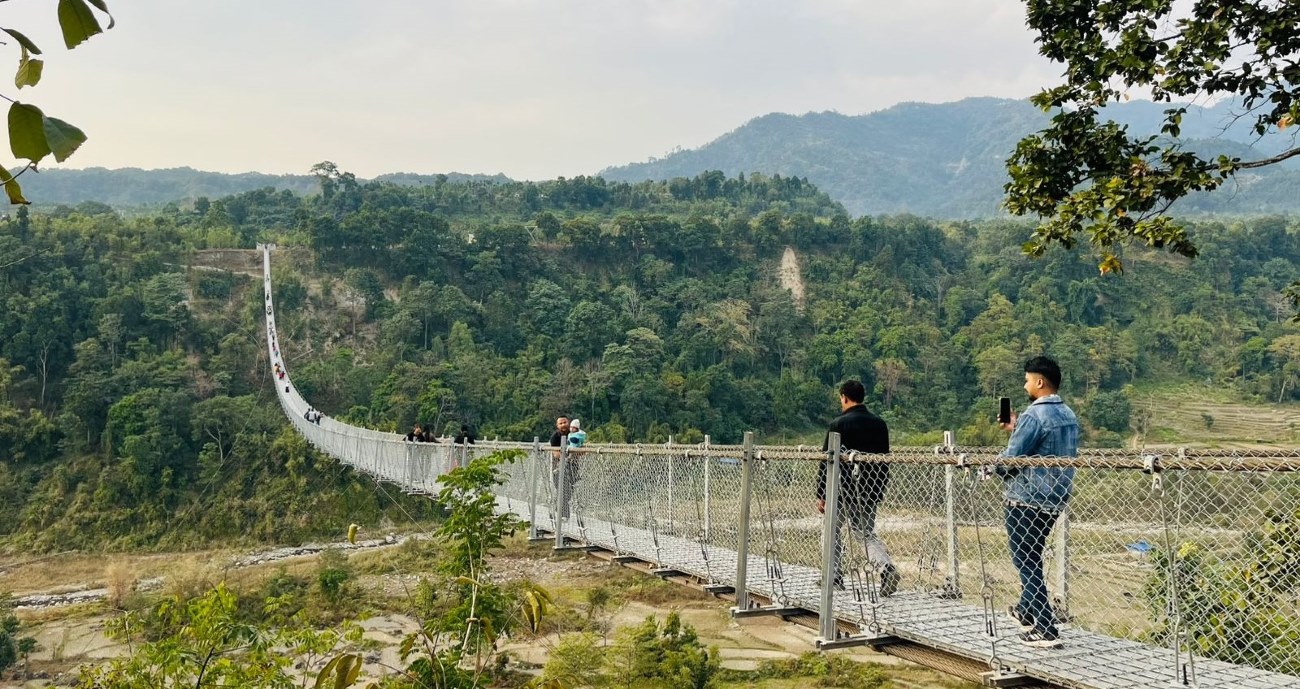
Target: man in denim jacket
(1035, 497)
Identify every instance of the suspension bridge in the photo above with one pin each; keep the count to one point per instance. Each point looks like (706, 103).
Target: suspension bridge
(1171, 568)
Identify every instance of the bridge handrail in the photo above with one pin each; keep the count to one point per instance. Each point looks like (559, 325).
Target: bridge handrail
(1160, 547)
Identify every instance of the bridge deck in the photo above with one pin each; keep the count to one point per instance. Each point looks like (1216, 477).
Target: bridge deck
(1088, 660)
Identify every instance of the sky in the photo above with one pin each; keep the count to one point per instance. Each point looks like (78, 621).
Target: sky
(534, 89)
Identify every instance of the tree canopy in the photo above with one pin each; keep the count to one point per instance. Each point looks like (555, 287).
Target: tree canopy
(1087, 176)
(136, 406)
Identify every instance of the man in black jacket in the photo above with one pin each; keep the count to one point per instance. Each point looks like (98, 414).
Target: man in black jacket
(862, 483)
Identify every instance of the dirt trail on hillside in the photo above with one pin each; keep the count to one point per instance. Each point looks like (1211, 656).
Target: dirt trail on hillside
(790, 276)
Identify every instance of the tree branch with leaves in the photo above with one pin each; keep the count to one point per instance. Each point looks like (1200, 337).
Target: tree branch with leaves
(33, 135)
(1088, 177)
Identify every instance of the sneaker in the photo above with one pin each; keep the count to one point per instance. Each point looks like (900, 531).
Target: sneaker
(1025, 625)
(889, 581)
(1037, 638)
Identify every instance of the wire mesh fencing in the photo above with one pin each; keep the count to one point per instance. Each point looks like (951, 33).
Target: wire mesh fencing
(1194, 552)
(1198, 555)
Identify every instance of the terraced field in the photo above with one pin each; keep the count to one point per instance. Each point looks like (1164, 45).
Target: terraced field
(1199, 415)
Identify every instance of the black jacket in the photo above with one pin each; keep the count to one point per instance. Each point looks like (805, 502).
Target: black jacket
(863, 431)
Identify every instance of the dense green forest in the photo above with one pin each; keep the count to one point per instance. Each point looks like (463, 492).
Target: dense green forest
(134, 188)
(136, 408)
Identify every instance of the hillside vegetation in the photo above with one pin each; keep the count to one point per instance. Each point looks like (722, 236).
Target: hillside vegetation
(949, 159)
(135, 408)
(133, 187)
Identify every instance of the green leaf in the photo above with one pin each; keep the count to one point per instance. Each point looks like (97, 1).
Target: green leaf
(63, 138)
(348, 671)
(27, 132)
(12, 188)
(326, 671)
(77, 21)
(24, 41)
(29, 71)
(103, 7)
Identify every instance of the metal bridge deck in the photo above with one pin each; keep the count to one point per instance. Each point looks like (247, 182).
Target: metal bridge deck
(1088, 660)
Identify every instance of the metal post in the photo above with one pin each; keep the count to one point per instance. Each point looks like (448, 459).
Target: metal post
(742, 526)
(830, 540)
(952, 587)
(410, 468)
(708, 515)
(532, 490)
(562, 496)
(1063, 565)
(669, 447)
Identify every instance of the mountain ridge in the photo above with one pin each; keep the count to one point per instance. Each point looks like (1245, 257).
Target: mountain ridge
(947, 159)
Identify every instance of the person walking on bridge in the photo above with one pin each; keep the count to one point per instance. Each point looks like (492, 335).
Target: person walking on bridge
(862, 485)
(1035, 497)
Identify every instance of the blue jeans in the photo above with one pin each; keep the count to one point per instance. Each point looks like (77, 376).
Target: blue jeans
(1027, 531)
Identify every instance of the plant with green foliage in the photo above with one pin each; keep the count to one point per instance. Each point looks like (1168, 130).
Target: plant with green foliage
(33, 135)
(12, 646)
(1085, 175)
(823, 669)
(205, 643)
(459, 650)
(575, 662)
(208, 641)
(668, 655)
(1238, 614)
(1110, 410)
(332, 575)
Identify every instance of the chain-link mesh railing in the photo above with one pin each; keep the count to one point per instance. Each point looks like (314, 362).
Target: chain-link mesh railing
(1161, 567)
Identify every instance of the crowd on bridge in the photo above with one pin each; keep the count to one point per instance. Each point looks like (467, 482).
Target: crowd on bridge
(467, 435)
(1033, 497)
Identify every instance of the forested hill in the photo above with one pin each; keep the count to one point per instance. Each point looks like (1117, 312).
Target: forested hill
(132, 187)
(135, 407)
(948, 160)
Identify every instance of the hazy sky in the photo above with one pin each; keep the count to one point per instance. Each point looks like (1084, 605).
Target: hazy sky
(530, 88)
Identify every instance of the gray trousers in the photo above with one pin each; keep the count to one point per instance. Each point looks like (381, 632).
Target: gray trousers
(864, 547)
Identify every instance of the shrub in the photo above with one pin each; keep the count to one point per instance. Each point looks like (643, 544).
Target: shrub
(671, 656)
(1230, 611)
(333, 574)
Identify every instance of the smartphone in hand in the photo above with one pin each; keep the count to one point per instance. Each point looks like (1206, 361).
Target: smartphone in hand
(1004, 410)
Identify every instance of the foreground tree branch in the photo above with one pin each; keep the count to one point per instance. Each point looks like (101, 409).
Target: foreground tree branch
(1088, 178)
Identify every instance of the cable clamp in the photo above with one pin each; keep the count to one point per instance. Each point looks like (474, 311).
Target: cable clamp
(1151, 465)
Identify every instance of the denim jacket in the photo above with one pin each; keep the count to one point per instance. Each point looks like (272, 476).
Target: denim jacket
(1048, 428)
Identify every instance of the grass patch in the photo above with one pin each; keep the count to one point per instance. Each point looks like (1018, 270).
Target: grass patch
(831, 670)
(413, 555)
(822, 669)
(628, 585)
